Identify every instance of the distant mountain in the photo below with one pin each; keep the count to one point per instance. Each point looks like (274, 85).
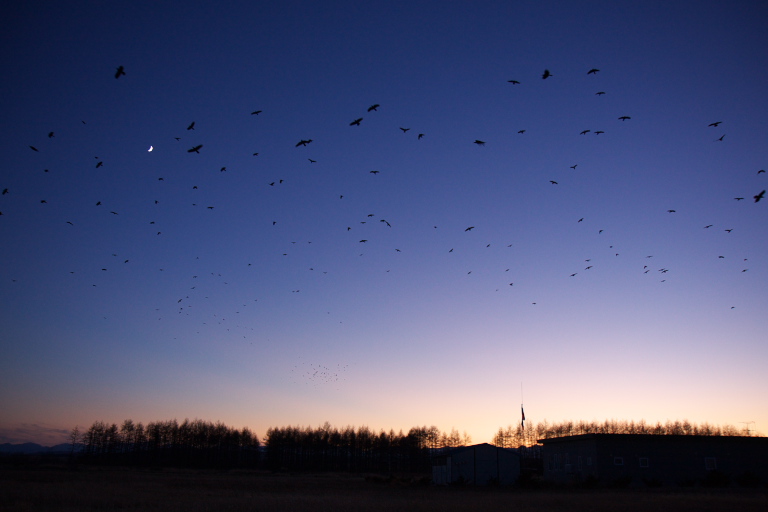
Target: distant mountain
(29, 448)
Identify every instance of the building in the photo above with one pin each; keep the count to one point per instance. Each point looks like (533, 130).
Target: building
(480, 464)
(642, 459)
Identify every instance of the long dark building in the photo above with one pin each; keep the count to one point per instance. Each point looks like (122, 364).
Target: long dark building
(640, 459)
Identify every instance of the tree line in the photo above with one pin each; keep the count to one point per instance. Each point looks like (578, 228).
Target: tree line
(199, 443)
(192, 443)
(517, 436)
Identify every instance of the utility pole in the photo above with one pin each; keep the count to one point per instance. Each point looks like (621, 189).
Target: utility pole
(746, 427)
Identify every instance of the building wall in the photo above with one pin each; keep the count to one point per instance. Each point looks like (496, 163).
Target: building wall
(480, 464)
(654, 460)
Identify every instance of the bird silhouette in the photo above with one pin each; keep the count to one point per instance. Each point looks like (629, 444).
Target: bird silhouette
(599, 93)
(553, 182)
(374, 172)
(356, 122)
(256, 112)
(574, 166)
(593, 71)
(546, 74)
(195, 149)
(470, 228)
(721, 138)
(420, 136)
(303, 142)
(584, 132)
(598, 132)
(191, 126)
(120, 72)
(373, 107)
(33, 148)
(513, 82)
(715, 124)
(624, 118)
(671, 211)
(312, 161)
(521, 131)
(759, 196)
(739, 198)
(761, 171)
(480, 142)
(50, 135)
(404, 129)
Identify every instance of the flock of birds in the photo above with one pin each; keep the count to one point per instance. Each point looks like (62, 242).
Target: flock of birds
(186, 299)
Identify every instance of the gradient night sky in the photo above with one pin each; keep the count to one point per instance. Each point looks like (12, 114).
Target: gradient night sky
(268, 310)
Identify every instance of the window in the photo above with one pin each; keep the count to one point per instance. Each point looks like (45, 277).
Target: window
(618, 461)
(710, 463)
(643, 462)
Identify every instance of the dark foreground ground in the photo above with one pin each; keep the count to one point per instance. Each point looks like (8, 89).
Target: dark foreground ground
(102, 489)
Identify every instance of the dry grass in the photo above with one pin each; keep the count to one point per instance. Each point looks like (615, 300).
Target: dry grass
(92, 489)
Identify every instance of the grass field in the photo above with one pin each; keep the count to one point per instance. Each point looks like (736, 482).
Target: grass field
(103, 489)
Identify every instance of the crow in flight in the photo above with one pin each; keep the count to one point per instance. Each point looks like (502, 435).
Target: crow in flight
(420, 136)
(513, 82)
(120, 72)
(480, 142)
(374, 172)
(715, 124)
(195, 149)
(671, 211)
(738, 198)
(33, 148)
(303, 142)
(50, 135)
(356, 122)
(546, 74)
(574, 166)
(521, 131)
(5, 191)
(404, 129)
(585, 132)
(373, 107)
(553, 182)
(593, 71)
(624, 118)
(759, 196)
(312, 161)
(256, 112)
(191, 126)
(600, 93)
(470, 228)
(761, 171)
(720, 139)
(598, 132)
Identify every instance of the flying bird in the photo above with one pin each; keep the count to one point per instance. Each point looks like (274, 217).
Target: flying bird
(715, 124)
(33, 148)
(373, 107)
(312, 161)
(721, 138)
(759, 196)
(480, 142)
(120, 72)
(600, 93)
(404, 129)
(521, 131)
(624, 118)
(738, 198)
(584, 132)
(303, 142)
(574, 166)
(195, 149)
(256, 112)
(513, 82)
(420, 136)
(593, 71)
(761, 171)
(671, 211)
(470, 228)
(191, 126)
(546, 74)
(50, 135)
(356, 122)
(598, 132)
(374, 172)
(553, 182)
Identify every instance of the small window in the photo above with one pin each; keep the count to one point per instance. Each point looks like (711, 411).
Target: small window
(618, 461)
(643, 462)
(710, 463)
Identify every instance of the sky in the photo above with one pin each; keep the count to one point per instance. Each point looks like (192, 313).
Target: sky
(395, 272)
